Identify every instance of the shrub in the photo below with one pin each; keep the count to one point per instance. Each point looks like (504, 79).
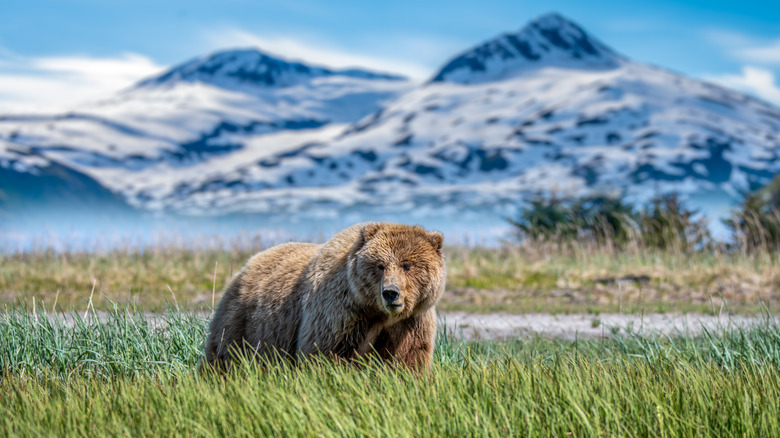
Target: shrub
(664, 223)
(547, 218)
(756, 223)
(597, 218)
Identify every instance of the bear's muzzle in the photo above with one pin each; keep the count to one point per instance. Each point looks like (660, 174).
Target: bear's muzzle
(391, 296)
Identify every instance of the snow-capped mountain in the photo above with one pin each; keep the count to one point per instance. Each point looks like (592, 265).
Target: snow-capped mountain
(550, 41)
(238, 69)
(546, 108)
(195, 112)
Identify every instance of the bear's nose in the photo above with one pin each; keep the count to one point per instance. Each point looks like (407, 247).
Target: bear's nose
(390, 293)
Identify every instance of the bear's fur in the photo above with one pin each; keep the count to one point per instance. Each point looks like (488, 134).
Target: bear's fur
(371, 289)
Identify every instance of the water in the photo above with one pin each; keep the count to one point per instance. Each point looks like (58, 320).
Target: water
(95, 230)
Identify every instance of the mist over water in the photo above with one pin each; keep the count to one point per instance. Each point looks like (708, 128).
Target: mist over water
(97, 230)
(105, 227)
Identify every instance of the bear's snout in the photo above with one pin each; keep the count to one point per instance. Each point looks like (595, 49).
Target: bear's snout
(391, 294)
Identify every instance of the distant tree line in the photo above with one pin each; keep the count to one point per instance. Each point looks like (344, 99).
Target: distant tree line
(664, 223)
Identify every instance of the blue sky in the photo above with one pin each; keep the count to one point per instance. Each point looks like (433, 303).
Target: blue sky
(56, 53)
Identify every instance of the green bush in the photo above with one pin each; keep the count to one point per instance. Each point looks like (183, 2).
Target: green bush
(756, 223)
(597, 218)
(665, 223)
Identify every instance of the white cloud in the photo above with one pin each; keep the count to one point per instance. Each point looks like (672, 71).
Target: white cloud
(317, 52)
(746, 48)
(758, 78)
(755, 80)
(768, 53)
(54, 83)
(729, 39)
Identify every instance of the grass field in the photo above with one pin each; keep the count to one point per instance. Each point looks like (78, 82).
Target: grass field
(132, 375)
(512, 278)
(67, 369)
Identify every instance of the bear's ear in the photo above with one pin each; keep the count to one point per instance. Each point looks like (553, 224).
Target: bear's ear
(368, 231)
(437, 239)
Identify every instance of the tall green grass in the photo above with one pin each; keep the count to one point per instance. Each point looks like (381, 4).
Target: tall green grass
(99, 345)
(125, 373)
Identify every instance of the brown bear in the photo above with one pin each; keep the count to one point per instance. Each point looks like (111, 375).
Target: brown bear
(371, 289)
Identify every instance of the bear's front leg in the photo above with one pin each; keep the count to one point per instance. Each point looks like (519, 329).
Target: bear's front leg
(410, 342)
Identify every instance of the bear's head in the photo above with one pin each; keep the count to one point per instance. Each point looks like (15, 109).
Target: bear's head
(399, 269)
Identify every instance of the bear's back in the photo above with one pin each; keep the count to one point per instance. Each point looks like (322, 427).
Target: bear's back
(270, 295)
(270, 274)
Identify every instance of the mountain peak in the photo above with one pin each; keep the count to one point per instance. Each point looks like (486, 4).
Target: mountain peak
(549, 41)
(241, 67)
(552, 20)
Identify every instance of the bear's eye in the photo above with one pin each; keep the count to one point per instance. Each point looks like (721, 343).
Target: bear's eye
(407, 266)
(381, 267)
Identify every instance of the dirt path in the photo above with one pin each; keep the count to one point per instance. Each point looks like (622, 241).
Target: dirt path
(504, 326)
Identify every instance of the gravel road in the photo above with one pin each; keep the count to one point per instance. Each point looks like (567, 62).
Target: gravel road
(504, 326)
